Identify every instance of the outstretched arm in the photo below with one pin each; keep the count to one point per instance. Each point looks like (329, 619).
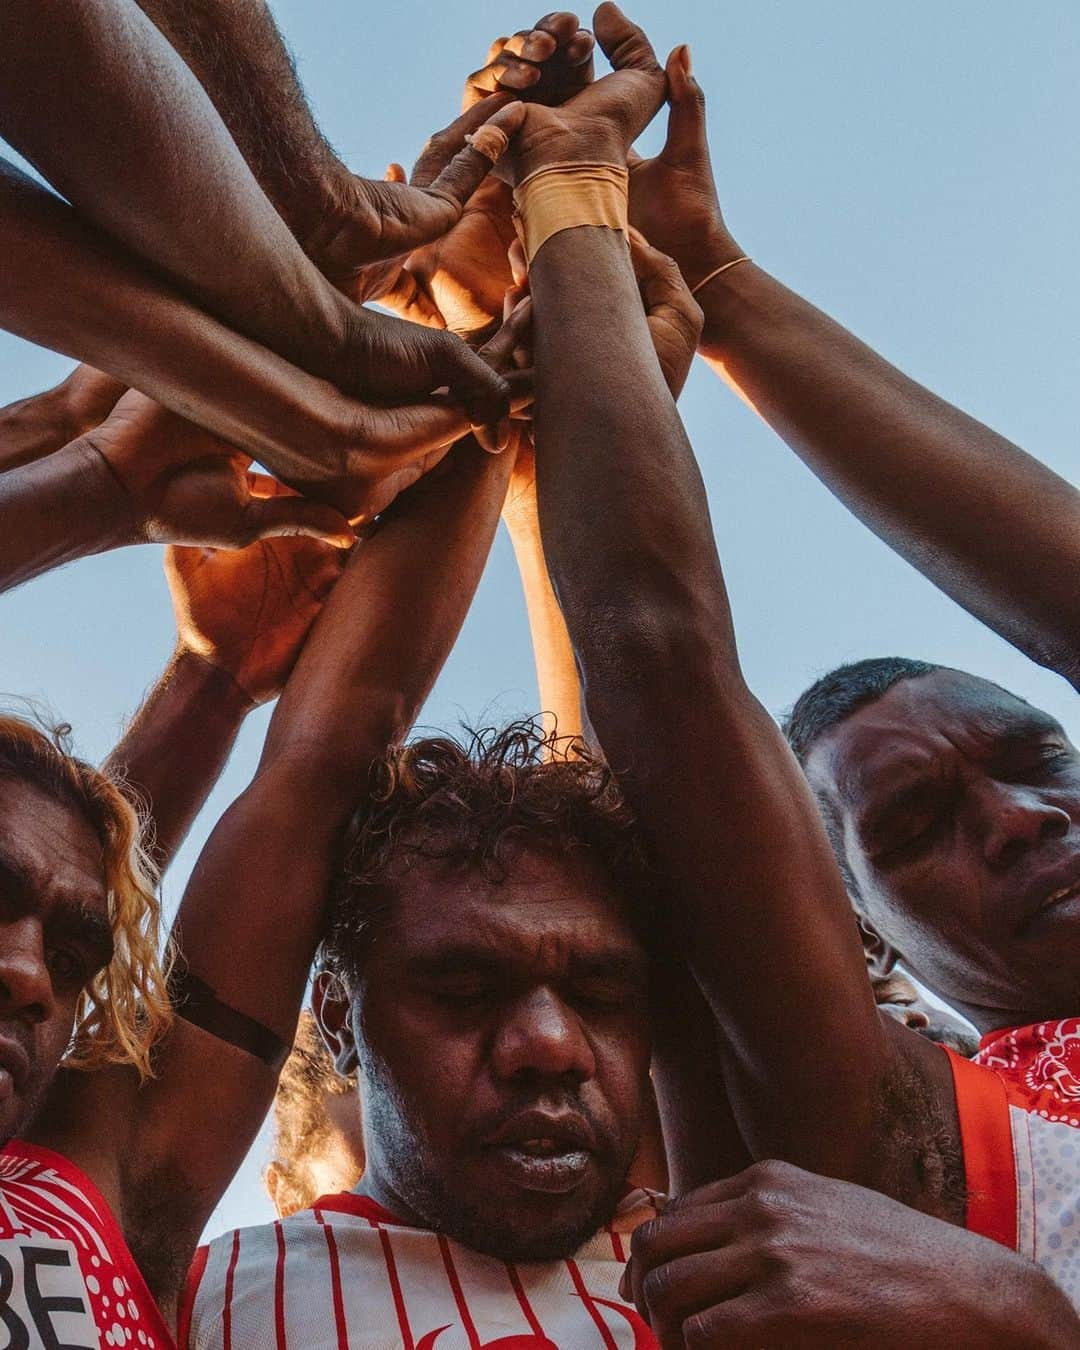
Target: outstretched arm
(251, 917)
(134, 142)
(629, 542)
(143, 475)
(66, 286)
(992, 526)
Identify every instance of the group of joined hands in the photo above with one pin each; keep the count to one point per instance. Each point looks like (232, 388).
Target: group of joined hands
(439, 250)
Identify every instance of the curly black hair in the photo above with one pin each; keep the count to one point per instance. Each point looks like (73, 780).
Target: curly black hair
(470, 804)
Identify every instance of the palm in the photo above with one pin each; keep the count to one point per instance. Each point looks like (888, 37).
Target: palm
(248, 611)
(466, 273)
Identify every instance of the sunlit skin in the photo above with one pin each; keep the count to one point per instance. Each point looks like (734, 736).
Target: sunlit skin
(54, 937)
(960, 811)
(482, 1002)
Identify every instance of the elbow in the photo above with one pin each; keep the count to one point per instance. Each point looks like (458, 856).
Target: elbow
(650, 639)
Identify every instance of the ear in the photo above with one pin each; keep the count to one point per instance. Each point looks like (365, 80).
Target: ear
(332, 1007)
(881, 956)
(272, 1179)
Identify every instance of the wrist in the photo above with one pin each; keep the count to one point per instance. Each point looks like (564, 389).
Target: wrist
(108, 502)
(203, 678)
(34, 427)
(717, 246)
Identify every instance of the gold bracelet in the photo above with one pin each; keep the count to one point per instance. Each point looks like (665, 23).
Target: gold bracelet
(722, 268)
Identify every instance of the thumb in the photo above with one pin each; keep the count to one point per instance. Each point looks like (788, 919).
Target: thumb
(686, 137)
(276, 517)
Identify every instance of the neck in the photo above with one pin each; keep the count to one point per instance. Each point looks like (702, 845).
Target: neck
(374, 1186)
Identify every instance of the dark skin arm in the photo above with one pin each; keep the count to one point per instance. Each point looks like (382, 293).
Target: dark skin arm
(343, 221)
(251, 916)
(777, 1257)
(998, 531)
(707, 771)
(142, 475)
(134, 142)
(33, 427)
(241, 620)
(68, 287)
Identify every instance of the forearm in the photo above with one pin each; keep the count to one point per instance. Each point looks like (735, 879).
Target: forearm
(241, 60)
(990, 525)
(133, 141)
(556, 672)
(177, 745)
(66, 287)
(57, 509)
(34, 427)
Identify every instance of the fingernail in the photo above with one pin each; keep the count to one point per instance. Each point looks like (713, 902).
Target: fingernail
(687, 62)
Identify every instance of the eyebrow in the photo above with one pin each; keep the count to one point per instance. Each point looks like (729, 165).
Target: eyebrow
(463, 956)
(73, 919)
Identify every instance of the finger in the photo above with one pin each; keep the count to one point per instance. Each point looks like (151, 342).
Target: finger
(445, 144)
(515, 74)
(513, 297)
(395, 173)
(561, 25)
(622, 42)
(580, 48)
(265, 485)
(686, 133)
(482, 82)
(684, 1232)
(691, 1284)
(275, 517)
(519, 268)
(531, 45)
(408, 296)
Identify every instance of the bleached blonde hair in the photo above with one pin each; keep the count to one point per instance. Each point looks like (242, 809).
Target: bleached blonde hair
(125, 1008)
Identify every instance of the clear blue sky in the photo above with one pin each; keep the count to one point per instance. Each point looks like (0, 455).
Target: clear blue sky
(911, 168)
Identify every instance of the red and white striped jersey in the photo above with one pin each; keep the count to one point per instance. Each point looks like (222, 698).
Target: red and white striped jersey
(67, 1279)
(346, 1275)
(1019, 1109)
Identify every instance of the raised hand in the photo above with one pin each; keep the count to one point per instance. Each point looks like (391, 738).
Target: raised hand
(600, 123)
(180, 484)
(248, 611)
(547, 63)
(673, 199)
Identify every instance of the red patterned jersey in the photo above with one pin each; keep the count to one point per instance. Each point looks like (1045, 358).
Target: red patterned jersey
(346, 1275)
(1019, 1108)
(67, 1279)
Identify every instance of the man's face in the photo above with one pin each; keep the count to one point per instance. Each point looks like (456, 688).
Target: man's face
(504, 1053)
(54, 937)
(960, 812)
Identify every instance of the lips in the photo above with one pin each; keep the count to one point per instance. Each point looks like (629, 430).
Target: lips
(543, 1151)
(1050, 891)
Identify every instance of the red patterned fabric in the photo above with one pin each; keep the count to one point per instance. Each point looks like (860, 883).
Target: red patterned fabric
(1040, 1066)
(67, 1278)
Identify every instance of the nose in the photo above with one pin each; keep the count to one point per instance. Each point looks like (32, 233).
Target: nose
(1016, 820)
(541, 1037)
(26, 991)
